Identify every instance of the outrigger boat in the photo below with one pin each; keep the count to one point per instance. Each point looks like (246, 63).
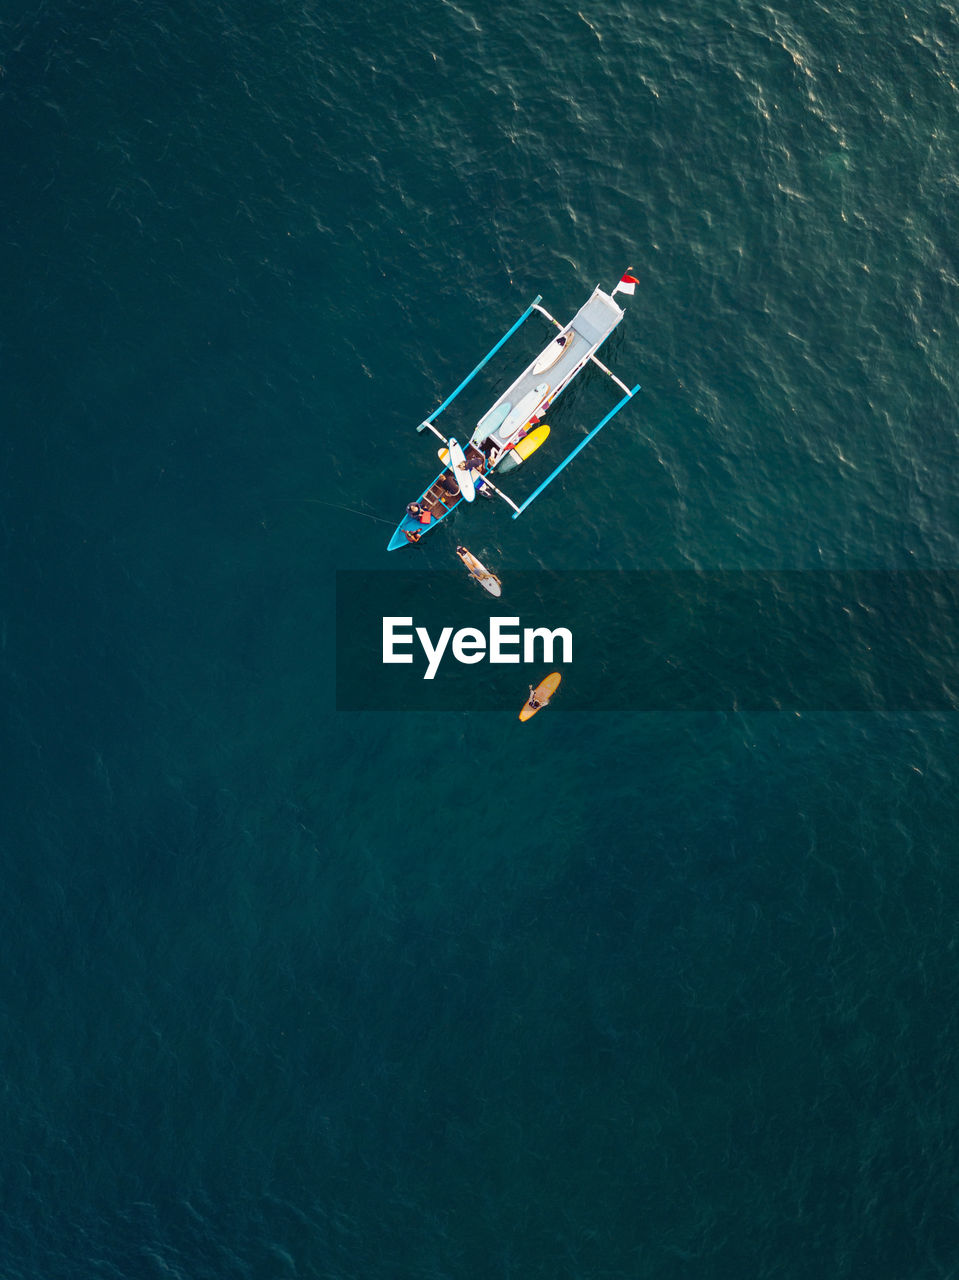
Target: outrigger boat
(512, 428)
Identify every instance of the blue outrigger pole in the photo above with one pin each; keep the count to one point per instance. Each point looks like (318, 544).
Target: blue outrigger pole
(428, 422)
(582, 445)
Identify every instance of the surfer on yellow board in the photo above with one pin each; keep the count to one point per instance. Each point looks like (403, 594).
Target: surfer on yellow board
(540, 696)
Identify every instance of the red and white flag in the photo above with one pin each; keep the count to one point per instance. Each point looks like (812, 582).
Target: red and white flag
(627, 284)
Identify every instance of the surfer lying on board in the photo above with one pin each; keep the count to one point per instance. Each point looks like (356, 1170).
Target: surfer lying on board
(476, 569)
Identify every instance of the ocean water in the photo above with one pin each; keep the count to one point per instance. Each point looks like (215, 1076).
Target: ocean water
(292, 992)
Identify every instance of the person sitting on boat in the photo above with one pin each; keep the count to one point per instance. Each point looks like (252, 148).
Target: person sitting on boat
(478, 461)
(412, 535)
(416, 511)
(450, 483)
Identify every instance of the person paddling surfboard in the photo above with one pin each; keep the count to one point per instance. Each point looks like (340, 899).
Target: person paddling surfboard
(540, 696)
(488, 581)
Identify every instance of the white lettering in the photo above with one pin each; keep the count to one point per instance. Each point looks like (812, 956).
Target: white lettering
(469, 646)
(390, 639)
(498, 637)
(434, 656)
(548, 637)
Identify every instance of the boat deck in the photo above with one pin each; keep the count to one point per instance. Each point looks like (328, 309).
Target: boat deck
(588, 329)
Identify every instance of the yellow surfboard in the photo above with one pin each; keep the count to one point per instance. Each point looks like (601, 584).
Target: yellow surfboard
(540, 695)
(530, 443)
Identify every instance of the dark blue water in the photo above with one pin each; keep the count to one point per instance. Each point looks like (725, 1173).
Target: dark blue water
(288, 992)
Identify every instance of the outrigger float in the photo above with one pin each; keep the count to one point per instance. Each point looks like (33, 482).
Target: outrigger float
(512, 428)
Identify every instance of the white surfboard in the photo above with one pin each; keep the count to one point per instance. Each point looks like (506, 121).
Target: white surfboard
(519, 416)
(461, 471)
(548, 357)
(444, 456)
(490, 421)
(488, 581)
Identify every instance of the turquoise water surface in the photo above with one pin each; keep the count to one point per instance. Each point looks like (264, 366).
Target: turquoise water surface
(289, 991)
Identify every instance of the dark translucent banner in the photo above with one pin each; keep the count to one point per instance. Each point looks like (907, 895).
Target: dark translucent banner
(663, 641)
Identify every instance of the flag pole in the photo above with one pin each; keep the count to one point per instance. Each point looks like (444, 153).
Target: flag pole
(627, 283)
